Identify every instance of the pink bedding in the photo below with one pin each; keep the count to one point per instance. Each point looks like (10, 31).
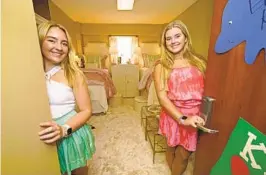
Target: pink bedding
(146, 80)
(100, 75)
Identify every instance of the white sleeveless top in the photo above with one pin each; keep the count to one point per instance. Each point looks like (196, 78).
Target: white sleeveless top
(61, 96)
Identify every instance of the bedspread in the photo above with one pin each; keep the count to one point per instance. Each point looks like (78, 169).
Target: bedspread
(100, 75)
(146, 79)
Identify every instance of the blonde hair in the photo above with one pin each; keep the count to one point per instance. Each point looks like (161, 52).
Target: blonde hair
(69, 65)
(167, 58)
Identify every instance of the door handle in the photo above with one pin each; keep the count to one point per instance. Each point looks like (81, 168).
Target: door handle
(207, 107)
(206, 112)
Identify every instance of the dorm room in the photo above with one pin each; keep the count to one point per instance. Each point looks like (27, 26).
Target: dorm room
(117, 53)
(151, 89)
(117, 59)
(108, 80)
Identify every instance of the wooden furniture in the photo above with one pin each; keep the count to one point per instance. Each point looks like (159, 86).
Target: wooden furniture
(126, 78)
(239, 90)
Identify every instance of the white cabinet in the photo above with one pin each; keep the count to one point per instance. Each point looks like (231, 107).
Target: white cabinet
(126, 79)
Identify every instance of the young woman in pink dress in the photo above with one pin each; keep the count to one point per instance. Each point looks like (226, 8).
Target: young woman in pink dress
(179, 84)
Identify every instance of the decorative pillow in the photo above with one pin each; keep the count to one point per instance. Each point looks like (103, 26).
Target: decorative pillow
(95, 59)
(92, 58)
(145, 60)
(149, 60)
(91, 65)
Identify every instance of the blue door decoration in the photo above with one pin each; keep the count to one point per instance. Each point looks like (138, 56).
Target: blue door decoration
(243, 20)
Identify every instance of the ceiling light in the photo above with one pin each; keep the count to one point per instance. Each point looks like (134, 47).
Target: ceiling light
(125, 4)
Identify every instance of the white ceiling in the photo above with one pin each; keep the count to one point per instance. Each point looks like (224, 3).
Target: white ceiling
(104, 11)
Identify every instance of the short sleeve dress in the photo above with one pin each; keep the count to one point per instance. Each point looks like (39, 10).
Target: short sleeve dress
(185, 90)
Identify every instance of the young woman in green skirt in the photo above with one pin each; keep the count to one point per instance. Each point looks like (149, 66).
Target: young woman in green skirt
(67, 89)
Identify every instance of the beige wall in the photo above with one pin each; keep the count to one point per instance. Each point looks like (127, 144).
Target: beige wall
(100, 32)
(24, 98)
(72, 27)
(198, 19)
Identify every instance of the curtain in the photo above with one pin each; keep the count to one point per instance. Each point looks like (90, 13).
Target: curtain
(136, 52)
(113, 49)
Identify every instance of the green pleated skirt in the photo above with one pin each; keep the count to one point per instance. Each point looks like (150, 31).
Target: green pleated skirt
(74, 150)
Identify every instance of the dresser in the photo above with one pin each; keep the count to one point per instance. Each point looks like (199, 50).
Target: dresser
(126, 79)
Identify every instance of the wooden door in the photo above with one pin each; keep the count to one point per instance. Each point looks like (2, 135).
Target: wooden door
(24, 99)
(239, 90)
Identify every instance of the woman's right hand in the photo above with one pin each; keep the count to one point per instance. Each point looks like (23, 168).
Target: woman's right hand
(51, 132)
(193, 121)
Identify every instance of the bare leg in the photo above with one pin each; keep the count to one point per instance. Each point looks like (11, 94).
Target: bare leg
(180, 161)
(190, 165)
(170, 155)
(80, 171)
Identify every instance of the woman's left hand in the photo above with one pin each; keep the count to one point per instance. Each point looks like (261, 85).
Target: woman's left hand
(199, 120)
(51, 133)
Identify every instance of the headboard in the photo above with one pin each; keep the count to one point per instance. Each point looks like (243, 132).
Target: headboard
(150, 53)
(96, 55)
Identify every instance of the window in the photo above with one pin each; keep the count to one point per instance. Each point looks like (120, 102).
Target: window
(124, 47)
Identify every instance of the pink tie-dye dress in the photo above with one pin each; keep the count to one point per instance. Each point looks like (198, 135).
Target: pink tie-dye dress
(185, 90)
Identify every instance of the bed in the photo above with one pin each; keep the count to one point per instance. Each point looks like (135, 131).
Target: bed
(150, 54)
(98, 98)
(96, 55)
(101, 88)
(98, 77)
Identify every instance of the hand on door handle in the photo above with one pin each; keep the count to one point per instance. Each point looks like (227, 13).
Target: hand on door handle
(204, 129)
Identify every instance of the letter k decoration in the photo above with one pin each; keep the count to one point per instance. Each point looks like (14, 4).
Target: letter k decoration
(245, 152)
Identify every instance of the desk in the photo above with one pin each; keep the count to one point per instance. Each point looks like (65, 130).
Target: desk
(98, 98)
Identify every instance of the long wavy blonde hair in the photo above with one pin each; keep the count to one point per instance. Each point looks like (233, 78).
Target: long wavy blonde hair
(167, 58)
(69, 65)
